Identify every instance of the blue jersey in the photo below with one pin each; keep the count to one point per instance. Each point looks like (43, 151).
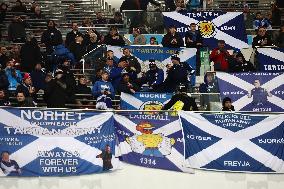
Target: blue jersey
(259, 96)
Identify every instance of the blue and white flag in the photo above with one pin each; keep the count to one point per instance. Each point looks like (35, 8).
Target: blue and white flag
(153, 140)
(234, 142)
(270, 59)
(161, 55)
(260, 92)
(144, 101)
(213, 26)
(49, 142)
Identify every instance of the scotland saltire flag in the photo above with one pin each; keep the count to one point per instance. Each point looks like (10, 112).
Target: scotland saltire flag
(260, 92)
(144, 101)
(213, 26)
(51, 142)
(153, 140)
(270, 59)
(161, 55)
(234, 142)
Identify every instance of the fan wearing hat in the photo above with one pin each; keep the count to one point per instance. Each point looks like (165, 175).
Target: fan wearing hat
(56, 93)
(126, 85)
(78, 48)
(172, 39)
(134, 65)
(181, 101)
(178, 73)
(154, 77)
(113, 38)
(26, 87)
(241, 65)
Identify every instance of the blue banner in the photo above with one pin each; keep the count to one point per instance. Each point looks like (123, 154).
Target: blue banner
(260, 92)
(213, 26)
(144, 101)
(234, 142)
(153, 141)
(270, 59)
(36, 142)
(161, 55)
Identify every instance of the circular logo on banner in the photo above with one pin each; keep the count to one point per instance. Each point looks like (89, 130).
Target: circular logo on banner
(206, 29)
(151, 105)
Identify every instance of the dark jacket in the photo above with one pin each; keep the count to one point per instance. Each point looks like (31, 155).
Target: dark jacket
(168, 41)
(258, 39)
(280, 40)
(114, 42)
(243, 67)
(55, 94)
(195, 37)
(133, 62)
(51, 37)
(176, 75)
(78, 50)
(189, 103)
(4, 83)
(125, 87)
(70, 38)
(27, 103)
(132, 5)
(227, 109)
(28, 59)
(3, 60)
(17, 30)
(154, 77)
(38, 78)
(21, 8)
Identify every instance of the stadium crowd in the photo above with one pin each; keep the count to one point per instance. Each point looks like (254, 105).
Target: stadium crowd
(29, 74)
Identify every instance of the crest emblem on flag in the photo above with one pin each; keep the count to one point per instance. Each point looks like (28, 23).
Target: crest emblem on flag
(206, 28)
(213, 26)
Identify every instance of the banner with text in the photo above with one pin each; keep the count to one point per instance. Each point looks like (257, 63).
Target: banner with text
(144, 101)
(270, 59)
(213, 26)
(260, 92)
(234, 142)
(36, 142)
(151, 140)
(161, 55)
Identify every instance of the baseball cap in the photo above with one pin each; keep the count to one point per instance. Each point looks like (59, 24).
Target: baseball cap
(175, 57)
(26, 76)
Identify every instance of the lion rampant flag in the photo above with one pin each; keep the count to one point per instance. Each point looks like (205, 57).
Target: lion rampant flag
(213, 26)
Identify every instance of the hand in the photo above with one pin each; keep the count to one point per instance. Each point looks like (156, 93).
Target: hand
(132, 68)
(31, 90)
(129, 85)
(174, 41)
(218, 52)
(189, 40)
(199, 44)
(132, 90)
(264, 42)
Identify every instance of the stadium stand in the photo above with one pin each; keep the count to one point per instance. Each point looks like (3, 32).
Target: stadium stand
(85, 14)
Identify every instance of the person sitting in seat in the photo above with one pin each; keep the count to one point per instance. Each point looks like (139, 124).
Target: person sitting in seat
(181, 101)
(227, 104)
